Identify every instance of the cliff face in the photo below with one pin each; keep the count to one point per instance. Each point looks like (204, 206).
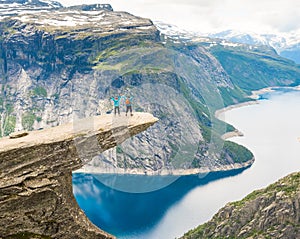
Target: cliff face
(59, 63)
(36, 195)
(273, 212)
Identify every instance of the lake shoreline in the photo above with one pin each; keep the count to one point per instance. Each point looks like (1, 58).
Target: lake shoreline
(166, 172)
(253, 100)
(191, 171)
(194, 199)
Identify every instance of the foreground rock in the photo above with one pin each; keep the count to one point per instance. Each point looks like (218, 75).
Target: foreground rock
(36, 198)
(273, 212)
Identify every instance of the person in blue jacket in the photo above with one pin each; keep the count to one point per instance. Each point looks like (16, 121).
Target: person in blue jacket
(116, 101)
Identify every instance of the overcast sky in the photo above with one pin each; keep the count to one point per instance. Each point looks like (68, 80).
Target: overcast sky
(213, 15)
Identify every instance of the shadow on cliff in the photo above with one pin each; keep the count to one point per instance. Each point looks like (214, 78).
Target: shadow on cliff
(122, 213)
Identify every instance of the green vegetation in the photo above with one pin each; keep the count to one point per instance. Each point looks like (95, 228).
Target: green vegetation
(28, 120)
(236, 152)
(9, 108)
(202, 113)
(1, 105)
(199, 107)
(38, 119)
(108, 67)
(119, 149)
(55, 96)
(233, 96)
(248, 198)
(9, 124)
(39, 91)
(145, 70)
(289, 185)
(206, 133)
(288, 188)
(131, 56)
(252, 70)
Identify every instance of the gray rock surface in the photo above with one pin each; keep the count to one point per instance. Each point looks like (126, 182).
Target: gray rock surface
(36, 175)
(273, 212)
(58, 65)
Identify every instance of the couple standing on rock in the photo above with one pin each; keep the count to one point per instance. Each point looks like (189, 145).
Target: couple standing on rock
(128, 102)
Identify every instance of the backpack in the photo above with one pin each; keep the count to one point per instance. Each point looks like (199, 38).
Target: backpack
(127, 101)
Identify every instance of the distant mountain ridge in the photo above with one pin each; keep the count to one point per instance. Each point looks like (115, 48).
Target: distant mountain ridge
(38, 3)
(285, 44)
(50, 58)
(61, 64)
(16, 7)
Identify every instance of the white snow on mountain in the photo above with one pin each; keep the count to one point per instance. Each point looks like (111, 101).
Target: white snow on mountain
(279, 41)
(53, 4)
(178, 34)
(286, 44)
(11, 7)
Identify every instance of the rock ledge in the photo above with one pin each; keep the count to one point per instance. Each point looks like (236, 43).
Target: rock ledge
(36, 195)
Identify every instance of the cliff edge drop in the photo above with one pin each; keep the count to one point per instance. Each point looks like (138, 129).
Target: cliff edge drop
(36, 198)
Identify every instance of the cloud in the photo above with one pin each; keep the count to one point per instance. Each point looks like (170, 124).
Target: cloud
(213, 15)
(284, 20)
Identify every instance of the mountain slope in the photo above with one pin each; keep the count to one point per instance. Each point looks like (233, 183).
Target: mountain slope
(62, 64)
(255, 69)
(287, 45)
(55, 63)
(250, 61)
(272, 212)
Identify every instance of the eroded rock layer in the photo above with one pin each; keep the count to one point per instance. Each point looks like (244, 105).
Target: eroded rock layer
(36, 175)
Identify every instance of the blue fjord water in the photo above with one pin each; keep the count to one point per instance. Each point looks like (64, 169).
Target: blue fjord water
(271, 130)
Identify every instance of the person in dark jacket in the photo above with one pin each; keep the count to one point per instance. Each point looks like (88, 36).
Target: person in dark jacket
(128, 103)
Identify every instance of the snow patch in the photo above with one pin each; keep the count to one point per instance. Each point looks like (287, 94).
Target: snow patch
(230, 44)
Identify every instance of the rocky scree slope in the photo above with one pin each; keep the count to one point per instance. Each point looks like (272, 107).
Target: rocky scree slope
(273, 212)
(36, 198)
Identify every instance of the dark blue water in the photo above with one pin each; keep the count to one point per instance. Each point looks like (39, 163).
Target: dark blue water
(130, 215)
(271, 131)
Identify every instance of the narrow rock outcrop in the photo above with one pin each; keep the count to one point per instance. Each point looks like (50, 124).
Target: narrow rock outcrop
(36, 198)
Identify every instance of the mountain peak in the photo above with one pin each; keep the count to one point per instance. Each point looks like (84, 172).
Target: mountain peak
(286, 44)
(17, 7)
(37, 3)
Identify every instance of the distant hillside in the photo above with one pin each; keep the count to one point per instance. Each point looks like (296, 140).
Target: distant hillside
(273, 212)
(256, 67)
(286, 44)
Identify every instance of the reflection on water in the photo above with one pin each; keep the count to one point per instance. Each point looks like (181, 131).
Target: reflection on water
(271, 130)
(122, 213)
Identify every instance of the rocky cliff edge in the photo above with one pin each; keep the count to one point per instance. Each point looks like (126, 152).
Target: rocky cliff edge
(36, 198)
